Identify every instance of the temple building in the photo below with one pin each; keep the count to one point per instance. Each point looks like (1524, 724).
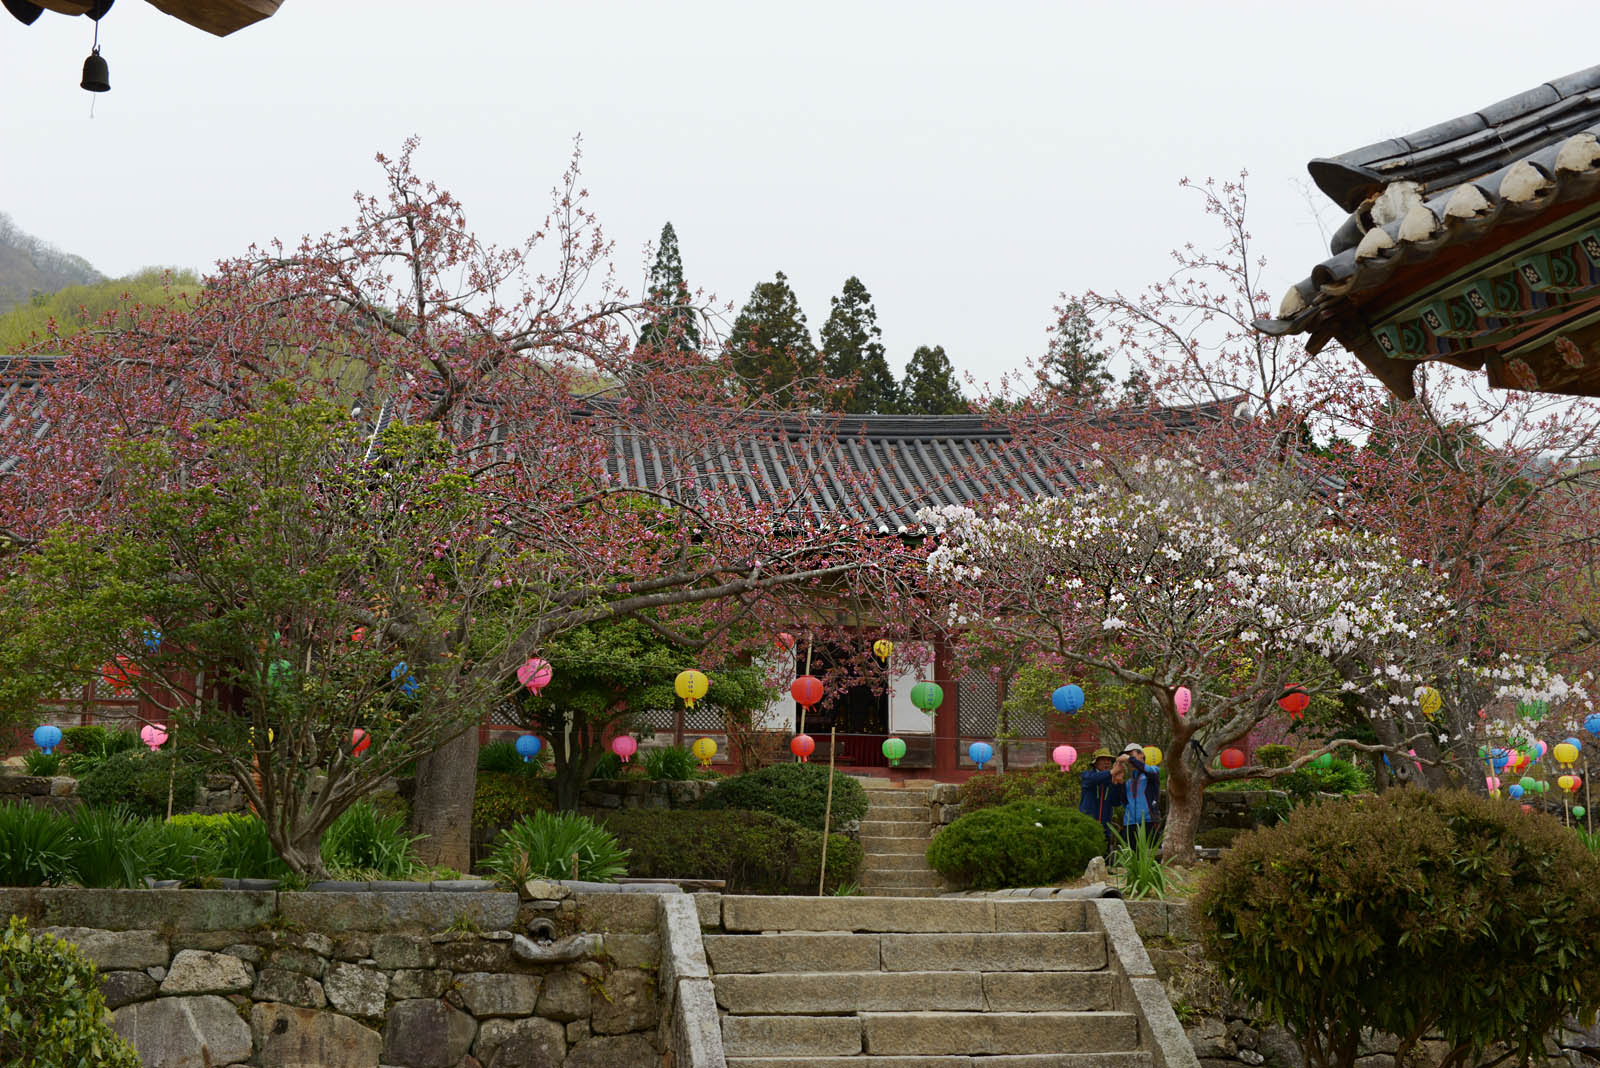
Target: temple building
(1474, 242)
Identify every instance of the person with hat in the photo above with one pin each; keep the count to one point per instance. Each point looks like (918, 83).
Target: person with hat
(1141, 791)
(1101, 794)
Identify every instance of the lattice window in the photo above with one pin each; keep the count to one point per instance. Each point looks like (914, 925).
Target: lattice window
(977, 706)
(701, 718)
(504, 714)
(1025, 724)
(661, 719)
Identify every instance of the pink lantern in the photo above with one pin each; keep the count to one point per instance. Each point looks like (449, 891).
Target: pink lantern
(624, 746)
(1492, 782)
(535, 675)
(1064, 756)
(1181, 699)
(154, 735)
(359, 741)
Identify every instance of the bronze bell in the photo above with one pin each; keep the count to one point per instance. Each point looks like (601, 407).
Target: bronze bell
(96, 74)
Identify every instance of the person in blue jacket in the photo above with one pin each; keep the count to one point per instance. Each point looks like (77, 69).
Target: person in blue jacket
(1100, 796)
(1141, 792)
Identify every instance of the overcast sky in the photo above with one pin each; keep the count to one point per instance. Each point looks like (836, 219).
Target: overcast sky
(968, 161)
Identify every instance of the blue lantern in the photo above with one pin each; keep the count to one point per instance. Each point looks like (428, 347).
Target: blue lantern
(1499, 756)
(1067, 699)
(1591, 723)
(1514, 790)
(408, 685)
(47, 737)
(528, 746)
(152, 641)
(1575, 743)
(981, 753)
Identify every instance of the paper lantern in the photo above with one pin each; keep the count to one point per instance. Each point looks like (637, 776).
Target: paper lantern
(1527, 782)
(119, 673)
(802, 746)
(1065, 756)
(1576, 784)
(981, 753)
(1429, 701)
(47, 737)
(1067, 699)
(1527, 808)
(883, 648)
(927, 696)
(360, 742)
(1579, 811)
(806, 691)
(1232, 758)
(691, 685)
(280, 671)
(152, 641)
(154, 735)
(359, 635)
(894, 749)
(535, 674)
(1566, 754)
(1574, 742)
(1515, 790)
(528, 746)
(272, 736)
(1181, 700)
(1294, 702)
(704, 749)
(400, 673)
(1152, 756)
(624, 746)
(1326, 761)
(1564, 781)
(1492, 782)
(1591, 723)
(784, 641)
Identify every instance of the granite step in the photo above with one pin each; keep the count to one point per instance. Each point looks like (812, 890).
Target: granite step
(920, 1034)
(898, 891)
(883, 843)
(824, 993)
(924, 877)
(893, 861)
(882, 828)
(1127, 1059)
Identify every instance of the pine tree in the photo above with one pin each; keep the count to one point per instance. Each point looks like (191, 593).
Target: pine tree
(672, 319)
(769, 347)
(930, 386)
(851, 349)
(1072, 369)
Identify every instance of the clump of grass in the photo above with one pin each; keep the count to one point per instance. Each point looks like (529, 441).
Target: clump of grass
(1143, 873)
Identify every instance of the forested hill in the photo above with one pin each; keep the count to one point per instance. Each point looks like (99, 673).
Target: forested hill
(29, 266)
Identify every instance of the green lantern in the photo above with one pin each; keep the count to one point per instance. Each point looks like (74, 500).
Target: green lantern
(927, 696)
(1324, 761)
(894, 749)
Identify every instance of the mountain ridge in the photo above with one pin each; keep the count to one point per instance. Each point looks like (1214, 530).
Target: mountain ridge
(31, 266)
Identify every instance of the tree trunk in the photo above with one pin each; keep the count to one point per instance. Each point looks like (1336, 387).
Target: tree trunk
(1185, 802)
(442, 806)
(304, 856)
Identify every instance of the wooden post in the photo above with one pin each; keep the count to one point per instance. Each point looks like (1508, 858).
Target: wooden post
(809, 640)
(827, 814)
(1588, 810)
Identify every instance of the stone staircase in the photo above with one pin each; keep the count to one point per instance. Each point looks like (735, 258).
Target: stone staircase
(895, 835)
(944, 983)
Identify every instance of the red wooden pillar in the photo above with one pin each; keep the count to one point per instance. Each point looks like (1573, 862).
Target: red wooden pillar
(946, 729)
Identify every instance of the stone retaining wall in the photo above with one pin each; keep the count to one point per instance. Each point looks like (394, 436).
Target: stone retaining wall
(1242, 809)
(412, 980)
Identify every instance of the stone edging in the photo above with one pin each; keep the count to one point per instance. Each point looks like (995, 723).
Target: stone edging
(690, 1026)
(1141, 993)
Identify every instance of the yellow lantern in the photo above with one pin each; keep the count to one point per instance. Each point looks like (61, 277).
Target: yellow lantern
(704, 749)
(1429, 699)
(883, 648)
(1565, 782)
(691, 685)
(1152, 756)
(1566, 753)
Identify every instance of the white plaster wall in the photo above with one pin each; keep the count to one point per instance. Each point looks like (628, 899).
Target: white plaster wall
(905, 717)
(779, 715)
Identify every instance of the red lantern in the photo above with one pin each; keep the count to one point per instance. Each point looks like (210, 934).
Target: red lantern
(120, 673)
(1294, 701)
(359, 741)
(361, 633)
(1232, 758)
(784, 641)
(807, 691)
(802, 746)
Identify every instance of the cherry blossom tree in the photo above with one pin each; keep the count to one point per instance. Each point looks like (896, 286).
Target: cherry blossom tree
(1169, 575)
(616, 486)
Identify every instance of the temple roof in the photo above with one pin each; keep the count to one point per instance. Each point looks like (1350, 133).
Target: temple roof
(1474, 242)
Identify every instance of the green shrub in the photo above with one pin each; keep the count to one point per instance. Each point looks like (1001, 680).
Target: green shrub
(52, 1014)
(502, 798)
(503, 757)
(1409, 913)
(1052, 787)
(1217, 837)
(1274, 756)
(35, 846)
(669, 762)
(108, 848)
(138, 781)
(754, 852)
(608, 767)
(89, 747)
(243, 850)
(796, 792)
(1023, 843)
(545, 845)
(38, 762)
(363, 842)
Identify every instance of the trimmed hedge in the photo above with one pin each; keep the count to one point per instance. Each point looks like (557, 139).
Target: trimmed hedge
(756, 852)
(502, 798)
(1053, 787)
(797, 792)
(1023, 843)
(1410, 913)
(138, 781)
